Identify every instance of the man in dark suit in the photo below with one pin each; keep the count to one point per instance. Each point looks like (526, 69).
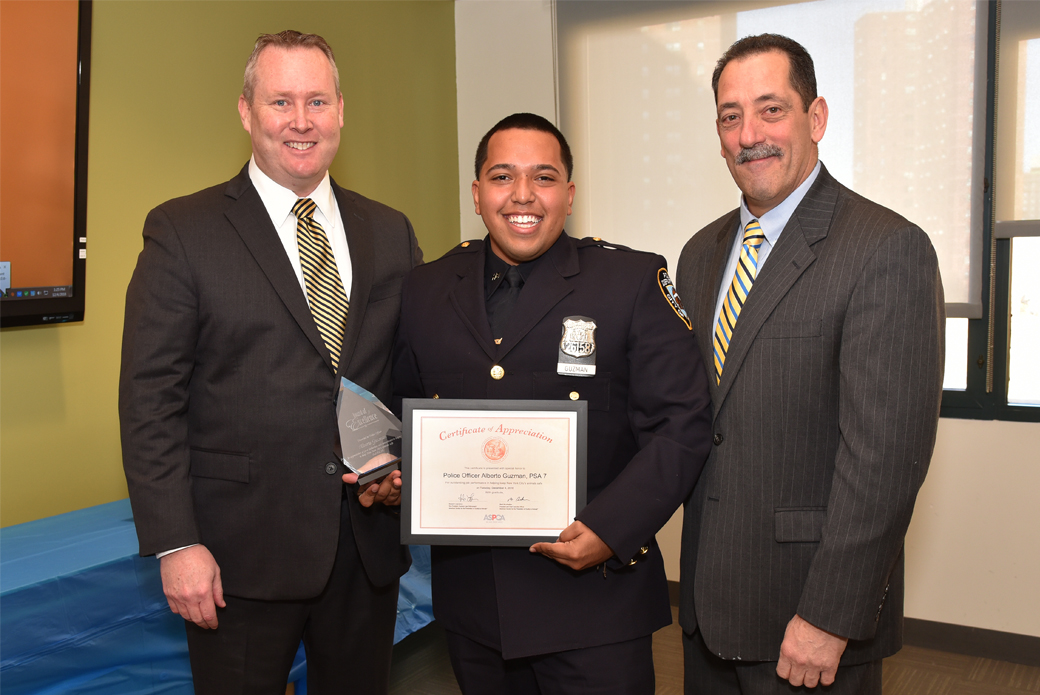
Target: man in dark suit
(249, 301)
(821, 315)
(485, 321)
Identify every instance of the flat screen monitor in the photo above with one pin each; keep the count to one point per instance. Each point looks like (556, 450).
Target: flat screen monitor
(44, 104)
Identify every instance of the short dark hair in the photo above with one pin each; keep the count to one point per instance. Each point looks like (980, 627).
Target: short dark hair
(802, 75)
(525, 121)
(288, 39)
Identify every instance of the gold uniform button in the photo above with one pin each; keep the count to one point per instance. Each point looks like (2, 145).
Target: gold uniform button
(436, 395)
(497, 372)
(574, 395)
(464, 244)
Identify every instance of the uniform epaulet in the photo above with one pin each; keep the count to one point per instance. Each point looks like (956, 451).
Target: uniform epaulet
(465, 247)
(596, 241)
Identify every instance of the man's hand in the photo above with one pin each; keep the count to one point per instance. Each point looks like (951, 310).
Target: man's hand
(191, 582)
(578, 547)
(809, 655)
(386, 490)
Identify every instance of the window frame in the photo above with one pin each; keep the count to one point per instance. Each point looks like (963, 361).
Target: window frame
(977, 401)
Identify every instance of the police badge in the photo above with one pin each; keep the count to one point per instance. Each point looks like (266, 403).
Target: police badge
(577, 347)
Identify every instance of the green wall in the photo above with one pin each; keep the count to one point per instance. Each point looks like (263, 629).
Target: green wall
(163, 122)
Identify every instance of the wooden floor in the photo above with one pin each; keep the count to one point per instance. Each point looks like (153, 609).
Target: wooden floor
(421, 668)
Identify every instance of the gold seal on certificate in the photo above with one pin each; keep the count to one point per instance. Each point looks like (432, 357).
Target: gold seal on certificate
(369, 434)
(491, 472)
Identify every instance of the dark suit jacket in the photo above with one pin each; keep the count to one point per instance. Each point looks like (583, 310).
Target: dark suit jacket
(227, 395)
(824, 425)
(647, 434)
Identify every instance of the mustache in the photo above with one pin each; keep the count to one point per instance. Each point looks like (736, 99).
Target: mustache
(760, 151)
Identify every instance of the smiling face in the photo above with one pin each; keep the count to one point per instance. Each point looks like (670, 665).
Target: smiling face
(769, 141)
(523, 194)
(294, 118)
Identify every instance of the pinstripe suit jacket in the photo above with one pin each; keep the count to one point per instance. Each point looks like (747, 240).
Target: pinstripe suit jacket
(824, 424)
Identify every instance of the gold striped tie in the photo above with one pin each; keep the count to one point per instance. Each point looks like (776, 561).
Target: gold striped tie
(747, 269)
(325, 294)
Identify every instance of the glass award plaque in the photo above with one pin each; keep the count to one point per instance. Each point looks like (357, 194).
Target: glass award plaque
(369, 434)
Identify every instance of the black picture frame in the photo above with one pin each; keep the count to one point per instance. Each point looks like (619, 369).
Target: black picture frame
(483, 408)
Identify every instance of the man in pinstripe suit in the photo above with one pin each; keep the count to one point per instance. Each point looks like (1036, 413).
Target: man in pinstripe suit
(821, 317)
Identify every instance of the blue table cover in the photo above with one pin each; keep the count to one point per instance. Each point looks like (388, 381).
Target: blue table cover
(81, 612)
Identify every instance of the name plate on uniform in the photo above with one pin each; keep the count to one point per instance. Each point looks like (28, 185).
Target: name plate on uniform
(491, 472)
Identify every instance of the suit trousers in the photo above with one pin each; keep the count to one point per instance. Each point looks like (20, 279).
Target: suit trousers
(624, 668)
(707, 674)
(347, 633)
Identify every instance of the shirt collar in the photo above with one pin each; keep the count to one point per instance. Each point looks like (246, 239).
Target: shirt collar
(279, 200)
(774, 221)
(495, 268)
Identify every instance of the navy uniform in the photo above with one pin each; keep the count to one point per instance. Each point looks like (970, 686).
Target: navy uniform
(648, 434)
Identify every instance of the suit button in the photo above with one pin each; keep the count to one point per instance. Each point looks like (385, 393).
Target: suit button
(497, 372)
(717, 439)
(331, 468)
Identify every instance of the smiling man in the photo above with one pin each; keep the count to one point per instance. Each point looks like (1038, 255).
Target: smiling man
(250, 300)
(485, 321)
(821, 317)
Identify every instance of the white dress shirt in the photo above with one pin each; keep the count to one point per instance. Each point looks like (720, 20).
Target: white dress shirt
(279, 202)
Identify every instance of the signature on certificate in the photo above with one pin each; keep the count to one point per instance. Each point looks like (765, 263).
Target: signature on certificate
(521, 498)
(471, 497)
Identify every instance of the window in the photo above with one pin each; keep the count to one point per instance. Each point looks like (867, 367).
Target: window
(910, 127)
(1003, 375)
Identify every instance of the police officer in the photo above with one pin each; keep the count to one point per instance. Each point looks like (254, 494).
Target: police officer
(485, 321)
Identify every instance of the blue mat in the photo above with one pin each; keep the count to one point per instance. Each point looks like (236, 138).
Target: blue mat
(81, 612)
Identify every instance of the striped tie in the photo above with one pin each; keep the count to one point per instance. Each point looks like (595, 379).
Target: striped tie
(747, 269)
(325, 294)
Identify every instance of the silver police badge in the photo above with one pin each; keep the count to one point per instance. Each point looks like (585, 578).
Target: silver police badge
(577, 347)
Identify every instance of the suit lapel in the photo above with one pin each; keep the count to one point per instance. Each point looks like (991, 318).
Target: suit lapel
(707, 293)
(791, 257)
(548, 286)
(467, 297)
(359, 242)
(250, 219)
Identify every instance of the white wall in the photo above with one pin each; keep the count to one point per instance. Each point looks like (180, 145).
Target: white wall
(504, 64)
(973, 549)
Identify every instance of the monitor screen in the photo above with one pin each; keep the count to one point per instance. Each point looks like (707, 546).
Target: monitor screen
(43, 171)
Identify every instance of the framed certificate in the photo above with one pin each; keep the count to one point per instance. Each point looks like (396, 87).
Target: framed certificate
(491, 472)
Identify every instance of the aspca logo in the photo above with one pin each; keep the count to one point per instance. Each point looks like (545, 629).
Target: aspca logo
(495, 518)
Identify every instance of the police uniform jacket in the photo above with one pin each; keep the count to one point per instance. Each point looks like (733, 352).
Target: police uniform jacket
(648, 433)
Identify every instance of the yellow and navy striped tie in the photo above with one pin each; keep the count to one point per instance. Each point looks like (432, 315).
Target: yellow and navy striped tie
(747, 269)
(325, 294)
